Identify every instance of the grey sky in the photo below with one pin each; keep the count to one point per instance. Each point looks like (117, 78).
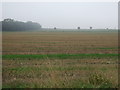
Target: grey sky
(66, 14)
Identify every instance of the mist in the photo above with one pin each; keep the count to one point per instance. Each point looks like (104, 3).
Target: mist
(66, 15)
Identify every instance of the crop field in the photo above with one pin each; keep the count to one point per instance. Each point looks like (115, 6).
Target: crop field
(60, 59)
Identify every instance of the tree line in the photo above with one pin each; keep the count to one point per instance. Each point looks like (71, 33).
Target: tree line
(12, 25)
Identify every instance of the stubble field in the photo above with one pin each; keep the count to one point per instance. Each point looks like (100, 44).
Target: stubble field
(60, 59)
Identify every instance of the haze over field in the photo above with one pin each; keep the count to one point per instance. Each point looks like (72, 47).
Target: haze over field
(65, 15)
(36, 54)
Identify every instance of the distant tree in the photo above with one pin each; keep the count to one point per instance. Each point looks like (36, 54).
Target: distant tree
(78, 27)
(90, 27)
(12, 25)
(55, 28)
(8, 20)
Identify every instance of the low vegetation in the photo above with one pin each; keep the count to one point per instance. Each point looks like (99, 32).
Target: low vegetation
(60, 56)
(60, 60)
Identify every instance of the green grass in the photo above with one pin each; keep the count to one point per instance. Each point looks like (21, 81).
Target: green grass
(60, 56)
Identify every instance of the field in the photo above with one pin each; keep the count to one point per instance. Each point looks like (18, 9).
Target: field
(60, 59)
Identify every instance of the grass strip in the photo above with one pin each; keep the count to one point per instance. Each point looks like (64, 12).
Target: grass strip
(60, 56)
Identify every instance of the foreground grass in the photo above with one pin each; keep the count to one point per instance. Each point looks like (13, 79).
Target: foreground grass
(57, 73)
(60, 56)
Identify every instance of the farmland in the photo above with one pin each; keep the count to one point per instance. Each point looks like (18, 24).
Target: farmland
(60, 59)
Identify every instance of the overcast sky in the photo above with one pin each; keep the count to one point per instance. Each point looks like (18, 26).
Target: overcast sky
(64, 15)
